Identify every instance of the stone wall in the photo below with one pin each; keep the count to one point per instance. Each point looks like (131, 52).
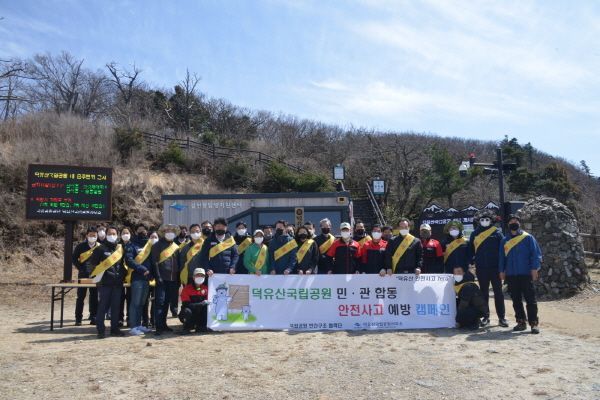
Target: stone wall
(563, 272)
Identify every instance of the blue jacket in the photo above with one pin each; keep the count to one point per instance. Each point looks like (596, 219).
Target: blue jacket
(487, 253)
(222, 262)
(523, 258)
(288, 261)
(131, 251)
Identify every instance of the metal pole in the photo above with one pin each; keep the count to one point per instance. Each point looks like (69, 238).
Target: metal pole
(500, 164)
(68, 252)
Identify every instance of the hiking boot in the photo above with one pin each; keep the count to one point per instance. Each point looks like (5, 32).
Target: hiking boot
(93, 321)
(116, 332)
(77, 323)
(101, 335)
(521, 326)
(484, 322)
(503, 322)
(534, 328)
(184, 332)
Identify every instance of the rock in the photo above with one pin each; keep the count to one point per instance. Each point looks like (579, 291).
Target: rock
(563, 271)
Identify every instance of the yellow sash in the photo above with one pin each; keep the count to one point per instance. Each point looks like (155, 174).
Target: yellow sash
(182, 244)
(303, 250)
(129, 273)
(168, 252)
(87, 254)
(364, 240)
(326, 244)
(108, 262)
(244, 245)
(460, 285)
(406, 242)
(224, 245)
(455, 244)
(508, 246)
(286, 248)
(183, 275)
(262, 258)
(482, 236)
(143, 255)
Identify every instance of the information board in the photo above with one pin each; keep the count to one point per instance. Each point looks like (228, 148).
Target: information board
(68, 193)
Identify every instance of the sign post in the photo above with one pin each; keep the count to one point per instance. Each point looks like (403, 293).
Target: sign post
(69, 194)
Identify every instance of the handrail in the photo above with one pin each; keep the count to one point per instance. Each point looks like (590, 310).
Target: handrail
(378, 213)
(214, 150)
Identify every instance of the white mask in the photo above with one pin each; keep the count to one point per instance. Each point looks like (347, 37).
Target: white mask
(101, 234)
(404, 232)
(111, 238)
(154, 240)
(345, 234)
(199, 281)
(454, 232)
(92, 239)
(126, 237)
(458, 278)
(170, 236)
(376, 235)
(241, 232)
(485, 223)
(258, 240)
(195, 235)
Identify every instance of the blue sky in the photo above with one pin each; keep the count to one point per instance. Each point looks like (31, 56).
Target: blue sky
(471, 69)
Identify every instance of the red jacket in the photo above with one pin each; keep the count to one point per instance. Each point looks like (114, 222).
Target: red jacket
(372, 256)
(345, 256)
(193, 294)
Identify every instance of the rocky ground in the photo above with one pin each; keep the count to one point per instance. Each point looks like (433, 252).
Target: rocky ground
(560, 363)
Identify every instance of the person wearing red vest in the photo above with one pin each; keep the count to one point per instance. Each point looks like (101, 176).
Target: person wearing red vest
(194, 302)
(433, 254)
(372, 253)
(344, 253)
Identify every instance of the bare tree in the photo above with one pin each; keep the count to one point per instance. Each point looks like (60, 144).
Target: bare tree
(181, 107)
(124, 80)
(12, 75)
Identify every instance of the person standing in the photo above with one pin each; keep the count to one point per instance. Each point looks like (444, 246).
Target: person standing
(243, 240)
(484, 246)
(344, 253)
(83, 261)
(109, 274)
(307, 255)
(360, 233)
(219, 253)
(372, 254)
(404, 254)
(520, 262)
(433, 254)
(256, 257)
(282, 251)
(455, 247)
(165, 266)
(324, 241)
(188, 253)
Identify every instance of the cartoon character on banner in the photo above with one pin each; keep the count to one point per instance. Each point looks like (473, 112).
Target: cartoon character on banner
(246, 312)
(221, 302)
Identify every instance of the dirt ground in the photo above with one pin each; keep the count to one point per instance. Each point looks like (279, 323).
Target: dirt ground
(563, 362)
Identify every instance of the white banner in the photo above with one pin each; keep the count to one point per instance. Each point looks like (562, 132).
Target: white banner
(330, 302)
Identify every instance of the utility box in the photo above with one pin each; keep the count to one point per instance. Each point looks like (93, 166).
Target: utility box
(258, 210)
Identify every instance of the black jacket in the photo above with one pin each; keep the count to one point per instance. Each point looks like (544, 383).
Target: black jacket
(168, 270)
(410, 260)
(487, 256)
(324, 263)
(310, 260)
(470, 305)
(115, 275)
(223, 261)
(240, 268)
(85, 268)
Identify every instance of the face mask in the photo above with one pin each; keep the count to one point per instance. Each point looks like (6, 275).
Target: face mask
(403, 232)
(206, 231)
(196, 235)
(142, 234)
(258, 240)
(302, 236)
(458, 278)
(279, 231)
(345, 234)
(220, 232)
(154, 240)
(514, 227)
(111, 238)
(425, 234)
(454, 232)
(199, 281)
(170, 236)
(360, 232)
(376, 235)
(484, 223)
(241, 232)
(91, 239)
(126, 237)
(311, 232)
(387, 237)
(182, 234)
(325, 231)
(101, 235)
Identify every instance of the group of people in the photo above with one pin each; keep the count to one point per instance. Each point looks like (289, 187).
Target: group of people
(175, 262)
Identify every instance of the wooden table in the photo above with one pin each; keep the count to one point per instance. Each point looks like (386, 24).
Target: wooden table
(59, 290)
